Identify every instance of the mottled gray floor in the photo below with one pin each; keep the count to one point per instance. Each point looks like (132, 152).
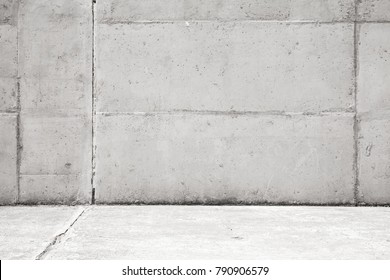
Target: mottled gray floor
(194, 232)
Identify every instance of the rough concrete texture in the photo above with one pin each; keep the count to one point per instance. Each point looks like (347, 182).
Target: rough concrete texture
(276, 101)
(193, 113)
(374, 163)
(8, 11)
(192, 158)
(55, 57)
(55, 160)
(8, 67)
(8, 159)
(224, 66)
(25, 232)
(373, 105)
(202, 232)
(8, 102)
(55, 65)
(374, 68)
(374, 10)
(138, 10)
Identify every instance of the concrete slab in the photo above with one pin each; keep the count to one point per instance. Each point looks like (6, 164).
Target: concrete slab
(223, 66)
(374, 159)
(8, 51)
(224, 158)
(238, 232)
(316, 10)
(373, 10)
(55, 68)
(8, 159)
(55, 56)
(8, 11)
(373, 106)
(8, 67)
(55, 160)
(25, 232)
(374, 68)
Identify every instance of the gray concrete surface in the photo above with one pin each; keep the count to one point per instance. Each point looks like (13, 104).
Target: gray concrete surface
(55, 68)
(56, 160)
(8, 159)
(25, 232)
(305, 10)
(374, 68)
(260, 58)
(373, 10)
(191, 158)
(8, 102)
(296, 94)
(8, 67)
(195, 232)
(374, 146)
(226, 66)
(8, 11)
(373, 107)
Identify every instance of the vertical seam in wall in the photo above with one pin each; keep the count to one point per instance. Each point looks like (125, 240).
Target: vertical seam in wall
(18, 108)
(93, 163)
(356, 121)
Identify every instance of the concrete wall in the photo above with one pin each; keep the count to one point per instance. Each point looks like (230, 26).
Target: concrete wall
(194, 101)
(46, 97)
(9, 105)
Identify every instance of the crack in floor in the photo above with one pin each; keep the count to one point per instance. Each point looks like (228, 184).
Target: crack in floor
(57, 239)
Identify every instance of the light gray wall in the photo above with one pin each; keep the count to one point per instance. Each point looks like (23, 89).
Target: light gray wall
(195, 101)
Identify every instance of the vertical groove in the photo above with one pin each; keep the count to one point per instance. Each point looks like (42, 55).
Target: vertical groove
(93, 163)
(18, 109)
(356, 121)
(18, 143)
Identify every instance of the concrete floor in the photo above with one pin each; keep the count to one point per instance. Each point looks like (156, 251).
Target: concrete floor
(194, 232)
